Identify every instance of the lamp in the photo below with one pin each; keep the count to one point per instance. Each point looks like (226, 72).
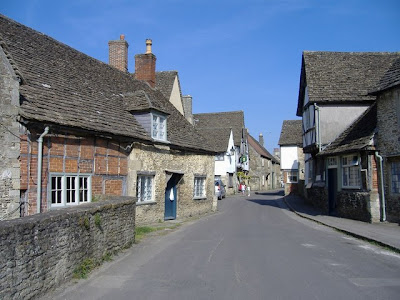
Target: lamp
(232, 151)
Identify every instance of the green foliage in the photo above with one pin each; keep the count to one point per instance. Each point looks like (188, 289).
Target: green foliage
(84, 222)
(97, 220)
(84, 268)
(107, 256)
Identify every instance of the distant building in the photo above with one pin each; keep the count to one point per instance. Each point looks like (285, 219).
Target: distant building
(292, 157)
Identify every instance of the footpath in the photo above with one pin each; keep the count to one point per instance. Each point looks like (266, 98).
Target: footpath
(384, 233)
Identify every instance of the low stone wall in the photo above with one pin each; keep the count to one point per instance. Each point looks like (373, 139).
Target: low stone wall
(318, 197)
(354, 205)
(40, 252)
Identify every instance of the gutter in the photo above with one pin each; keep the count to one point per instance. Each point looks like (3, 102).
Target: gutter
(382, 188)
(39, 170)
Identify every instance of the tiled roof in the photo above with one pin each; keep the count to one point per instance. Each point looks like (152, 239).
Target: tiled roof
(216, 127)
(165, 82)
(342, 76)
(358, 136)
(291, 133)
(66, 87)
(259, 148)
(390, 79)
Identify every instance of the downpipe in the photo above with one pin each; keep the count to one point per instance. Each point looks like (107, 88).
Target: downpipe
(39, 170)
(382, 188)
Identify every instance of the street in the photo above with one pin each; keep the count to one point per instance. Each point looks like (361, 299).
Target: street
(252, 248)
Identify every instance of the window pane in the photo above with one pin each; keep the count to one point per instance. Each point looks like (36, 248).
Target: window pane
(395, 177)
(145, 188)
(56, 190)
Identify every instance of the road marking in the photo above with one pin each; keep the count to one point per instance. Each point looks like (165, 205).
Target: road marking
(375, 282)
(379, 251)
(213, 250)
(308, 245)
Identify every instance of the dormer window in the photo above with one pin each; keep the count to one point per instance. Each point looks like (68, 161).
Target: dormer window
(159, 127)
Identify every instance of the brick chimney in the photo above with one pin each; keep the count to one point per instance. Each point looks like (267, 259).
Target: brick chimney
(261, 139)
(145, 65)
(118, 54)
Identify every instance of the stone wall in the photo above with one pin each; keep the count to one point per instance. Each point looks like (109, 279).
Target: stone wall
(257, 171)
(354, 205)
(389, 145)
(9, 141)
(318, 197)
(40, 252)
(158, 160)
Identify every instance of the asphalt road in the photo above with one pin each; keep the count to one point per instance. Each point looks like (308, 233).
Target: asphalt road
(253, 248)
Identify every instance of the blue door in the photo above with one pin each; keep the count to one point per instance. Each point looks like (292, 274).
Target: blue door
(171, 198)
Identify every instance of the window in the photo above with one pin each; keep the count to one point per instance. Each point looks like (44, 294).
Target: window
(395, 177)
(144, 189)
(351, 172)
(332, 162)
(159, 127)
(220, 157)
(292, 176)
(69, 189)
(199, 186)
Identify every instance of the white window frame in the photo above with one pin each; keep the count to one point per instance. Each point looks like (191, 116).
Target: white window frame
(395, 177)
(220, 157)
(70, 189)
(332, 162)
(350, 163)
(291, 175)
(199, 189)
(145, 188)
(158, 127)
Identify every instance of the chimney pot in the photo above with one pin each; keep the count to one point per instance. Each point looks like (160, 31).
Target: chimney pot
(261, 139)
(122, 37)
(148, 45)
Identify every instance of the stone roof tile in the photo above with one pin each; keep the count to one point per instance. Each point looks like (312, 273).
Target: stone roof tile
(291, 133)
(66, 87)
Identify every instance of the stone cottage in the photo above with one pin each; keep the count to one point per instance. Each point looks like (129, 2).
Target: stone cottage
(339, 142)
(225, 131)
(75, 128)
(292, 156)
(264, 167)
(388, 139)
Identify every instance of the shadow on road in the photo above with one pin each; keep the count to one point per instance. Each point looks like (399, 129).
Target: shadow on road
(271, 193)
(273, 203)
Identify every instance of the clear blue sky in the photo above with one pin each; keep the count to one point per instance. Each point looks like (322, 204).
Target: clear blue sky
(230, 54)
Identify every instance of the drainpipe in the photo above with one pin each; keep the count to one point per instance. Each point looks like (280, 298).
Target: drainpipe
(318, 133)
(382, 188)
(39, 170)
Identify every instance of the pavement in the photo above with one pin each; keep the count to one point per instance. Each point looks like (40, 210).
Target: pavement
(384, 233)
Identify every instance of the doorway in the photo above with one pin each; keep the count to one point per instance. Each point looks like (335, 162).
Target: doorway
(171, 196)
(332, 191)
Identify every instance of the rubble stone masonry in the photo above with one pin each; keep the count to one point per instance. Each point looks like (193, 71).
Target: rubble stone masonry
(10, 143)
(389, 145)
(159, 160)
(41, 252)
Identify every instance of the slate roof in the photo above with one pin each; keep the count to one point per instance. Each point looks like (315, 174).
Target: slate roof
(165, 82)
(390, 79)
(260, 149)
(291, 133)
(66, 87)
(333, 77)
(358, 136)
(216, 128)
